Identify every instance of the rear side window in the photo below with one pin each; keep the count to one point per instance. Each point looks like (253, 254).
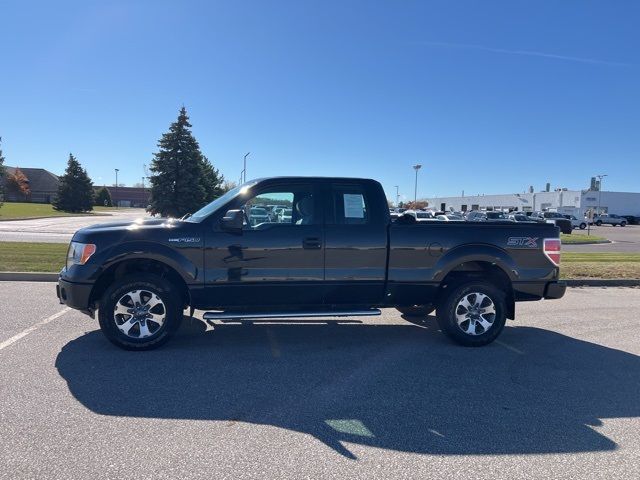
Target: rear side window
(350, 206)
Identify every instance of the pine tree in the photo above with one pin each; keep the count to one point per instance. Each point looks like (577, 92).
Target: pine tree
(177, 185)
(212, 181)
(103, 198)
(2, 174)
(75, 192)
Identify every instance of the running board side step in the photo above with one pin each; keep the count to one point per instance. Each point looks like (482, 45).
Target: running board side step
(293, 314)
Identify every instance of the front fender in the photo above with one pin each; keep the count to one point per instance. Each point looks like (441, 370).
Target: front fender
(173, 257)
(475, 253)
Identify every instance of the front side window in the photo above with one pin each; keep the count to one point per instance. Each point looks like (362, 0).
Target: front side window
(295, 206)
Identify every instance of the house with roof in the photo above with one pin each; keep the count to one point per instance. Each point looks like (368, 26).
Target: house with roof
(43, 185)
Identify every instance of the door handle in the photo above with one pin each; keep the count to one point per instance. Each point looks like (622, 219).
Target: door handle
(311, 243)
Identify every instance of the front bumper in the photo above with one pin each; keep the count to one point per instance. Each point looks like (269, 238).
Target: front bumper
(555, 290)
(75, 295)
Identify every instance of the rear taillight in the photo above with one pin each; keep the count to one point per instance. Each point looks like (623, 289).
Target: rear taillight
(552, 249)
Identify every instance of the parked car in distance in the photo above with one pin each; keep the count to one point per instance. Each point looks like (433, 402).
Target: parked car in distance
(576, 222)
(258, 215)
(519, 217)
(478, 216)
(555, 218)
(420, 215)
(632, 219)
(285, 215)
(449, 217)
(610, 219)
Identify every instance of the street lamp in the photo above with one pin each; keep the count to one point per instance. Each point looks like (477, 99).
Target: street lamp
(415, 191)
(600, 177)
(244, 170)
(116, 189)
(397, 195)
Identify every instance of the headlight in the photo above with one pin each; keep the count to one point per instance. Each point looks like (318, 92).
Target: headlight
(79, 253)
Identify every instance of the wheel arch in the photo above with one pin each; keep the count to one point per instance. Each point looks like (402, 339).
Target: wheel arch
(139, 264)
(482, 263)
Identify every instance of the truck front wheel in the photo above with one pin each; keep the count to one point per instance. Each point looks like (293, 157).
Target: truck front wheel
(139, 312)
(473, 314)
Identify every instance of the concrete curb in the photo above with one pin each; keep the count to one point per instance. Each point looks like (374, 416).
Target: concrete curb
(585, 282)
(28, 277)
(603, 282)
(595, 242)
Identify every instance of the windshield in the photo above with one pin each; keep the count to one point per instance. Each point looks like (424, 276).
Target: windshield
(208, 209)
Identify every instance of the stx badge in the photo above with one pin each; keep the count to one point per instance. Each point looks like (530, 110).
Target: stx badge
(528, 242)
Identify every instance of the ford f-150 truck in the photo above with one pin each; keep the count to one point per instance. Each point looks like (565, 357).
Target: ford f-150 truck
(337, 254)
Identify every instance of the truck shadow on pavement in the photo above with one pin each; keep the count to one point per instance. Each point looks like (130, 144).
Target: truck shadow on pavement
(399, 387)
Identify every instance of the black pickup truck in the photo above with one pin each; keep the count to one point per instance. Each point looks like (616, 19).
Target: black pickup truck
(306, 247)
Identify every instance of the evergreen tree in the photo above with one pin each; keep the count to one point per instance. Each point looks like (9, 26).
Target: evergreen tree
(103, 198)
(75, 192)
(212, 181)
(2, 174)
(177, 184)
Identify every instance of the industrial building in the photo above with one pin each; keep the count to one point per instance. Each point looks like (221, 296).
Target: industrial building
(572, 202)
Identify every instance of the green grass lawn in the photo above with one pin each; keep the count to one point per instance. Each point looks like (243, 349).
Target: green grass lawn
(578, 239)
(600, 265)
(14, 211)
(32, 257)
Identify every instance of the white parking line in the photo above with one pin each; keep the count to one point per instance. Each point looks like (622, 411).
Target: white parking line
(33, 327)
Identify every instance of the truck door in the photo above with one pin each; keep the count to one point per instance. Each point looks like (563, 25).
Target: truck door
(278, 259)
(355, 244)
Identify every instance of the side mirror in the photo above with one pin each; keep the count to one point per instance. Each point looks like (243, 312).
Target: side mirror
(233, 221)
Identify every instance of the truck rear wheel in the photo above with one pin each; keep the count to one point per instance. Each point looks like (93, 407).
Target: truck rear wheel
(139, 312)
(416, 310)
(473, 314)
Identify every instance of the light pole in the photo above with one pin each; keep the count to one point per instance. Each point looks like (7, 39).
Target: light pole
(116, 189)
(397, 195)
(415, 191)
(244, 169)
(600, 177)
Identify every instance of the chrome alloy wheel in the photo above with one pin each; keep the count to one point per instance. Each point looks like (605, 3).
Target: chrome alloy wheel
(139, 313)
(475, 313)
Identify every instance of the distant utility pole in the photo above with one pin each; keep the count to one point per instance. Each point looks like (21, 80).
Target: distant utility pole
(143, 183)
(116, 189)
(600, 177)
(397, 194)
(243, 176)
(415, 191)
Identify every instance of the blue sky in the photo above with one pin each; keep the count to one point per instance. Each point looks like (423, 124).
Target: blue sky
(490, 97)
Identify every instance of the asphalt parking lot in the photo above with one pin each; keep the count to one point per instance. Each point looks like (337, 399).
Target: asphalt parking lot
(625, 239)
(556, 397)
(60, 229)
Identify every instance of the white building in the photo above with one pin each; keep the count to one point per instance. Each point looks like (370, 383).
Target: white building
(573, 202)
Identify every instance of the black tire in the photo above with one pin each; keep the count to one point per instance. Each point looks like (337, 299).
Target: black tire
(599, 223)
(416, 310)
(448, 308)
(623, 224)
(159, 333)
(583, 226)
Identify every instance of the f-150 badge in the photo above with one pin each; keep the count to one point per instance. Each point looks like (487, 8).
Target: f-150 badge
(185, 240)
(529, 242)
